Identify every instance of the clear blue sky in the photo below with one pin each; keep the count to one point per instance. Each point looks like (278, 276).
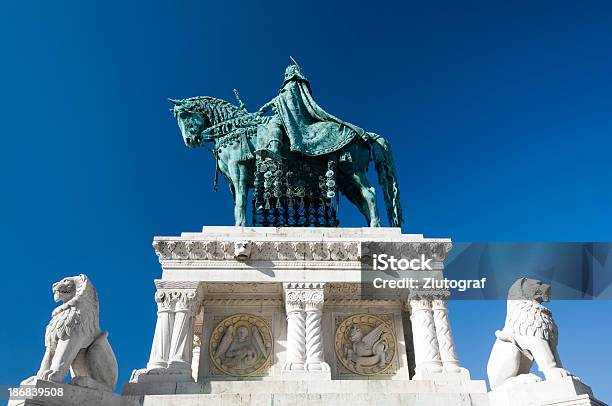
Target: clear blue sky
(499, 114)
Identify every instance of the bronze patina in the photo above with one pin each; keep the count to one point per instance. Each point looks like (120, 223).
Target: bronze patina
(296, 160)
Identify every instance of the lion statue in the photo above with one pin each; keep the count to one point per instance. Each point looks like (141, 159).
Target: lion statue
(529, 334)
(73, 339)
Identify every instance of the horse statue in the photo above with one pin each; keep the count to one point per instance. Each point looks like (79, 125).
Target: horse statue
(233, 130)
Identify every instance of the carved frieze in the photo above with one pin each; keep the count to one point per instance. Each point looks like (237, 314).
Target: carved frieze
(245, 250)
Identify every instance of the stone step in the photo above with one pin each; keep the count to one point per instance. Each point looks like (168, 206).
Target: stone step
(318, 399)
(452, 385)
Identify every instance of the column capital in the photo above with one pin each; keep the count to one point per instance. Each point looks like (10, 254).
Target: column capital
(304, 296)
(427, 299)
(179, 296)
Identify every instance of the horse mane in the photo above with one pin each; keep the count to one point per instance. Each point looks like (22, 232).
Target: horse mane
(217, 110)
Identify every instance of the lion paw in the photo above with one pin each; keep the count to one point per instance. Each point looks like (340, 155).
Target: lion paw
(52, 375)
(556, 373)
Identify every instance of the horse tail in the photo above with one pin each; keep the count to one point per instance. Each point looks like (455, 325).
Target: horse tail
(383, 161)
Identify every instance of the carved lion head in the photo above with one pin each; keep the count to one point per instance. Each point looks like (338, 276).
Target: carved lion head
(65, 289)
(71, 287)
(530, 289)
(242, 250)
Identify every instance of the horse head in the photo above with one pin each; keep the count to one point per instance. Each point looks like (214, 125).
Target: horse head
(192, 121)
(207, 118)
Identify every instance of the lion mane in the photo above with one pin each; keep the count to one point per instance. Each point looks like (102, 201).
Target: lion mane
(529, 318)
(78, 316)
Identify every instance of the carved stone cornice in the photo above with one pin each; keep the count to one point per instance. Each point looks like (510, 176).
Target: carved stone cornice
(242, 302)
(168, 249)
(363, 302)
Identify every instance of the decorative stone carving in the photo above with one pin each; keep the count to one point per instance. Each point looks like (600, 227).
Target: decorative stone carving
(314, 338)
(337, 251)
(320, 251)
(197, 249)
(285, 251)
(197, 345)
(265, 251)
(365, 344)
(248, 288)
(242, 250)
(296, 329)
(73, 339)
(426, 348)
(301, 249)
(241, 345)
(446, 343)
(162, 249)
(172, 348)
(529, 333)
(304, 304)
(179, 250)
(343, 290)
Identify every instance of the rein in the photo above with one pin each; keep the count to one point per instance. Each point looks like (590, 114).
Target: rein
(229, 130)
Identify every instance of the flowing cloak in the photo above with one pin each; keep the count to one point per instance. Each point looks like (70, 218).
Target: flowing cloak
(310, 129)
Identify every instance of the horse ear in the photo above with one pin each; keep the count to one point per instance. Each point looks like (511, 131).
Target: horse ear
(175, 102)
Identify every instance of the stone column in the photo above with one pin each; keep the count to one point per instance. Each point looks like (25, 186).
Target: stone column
(195, 358)
(160, 348)
(304, 305)
(448, 354)
(171, 352)
(181, 344)
(426, 349)
(314, 337)
(296, 330)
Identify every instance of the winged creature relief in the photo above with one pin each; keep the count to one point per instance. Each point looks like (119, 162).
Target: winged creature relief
(365, 345)
(367, 349)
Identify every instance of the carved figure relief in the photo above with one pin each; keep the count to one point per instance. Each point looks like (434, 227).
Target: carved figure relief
(241, 345)
(365, 344)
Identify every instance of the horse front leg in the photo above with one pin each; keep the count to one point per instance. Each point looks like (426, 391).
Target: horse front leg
(239, 180)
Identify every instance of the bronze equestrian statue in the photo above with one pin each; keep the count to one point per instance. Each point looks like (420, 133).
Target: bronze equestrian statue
(298, 131)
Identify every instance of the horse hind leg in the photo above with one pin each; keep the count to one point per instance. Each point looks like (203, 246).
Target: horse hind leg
(354, 196)
(368, 193)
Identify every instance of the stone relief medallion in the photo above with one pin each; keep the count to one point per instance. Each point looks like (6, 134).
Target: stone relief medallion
(365, 344)
(241, 345)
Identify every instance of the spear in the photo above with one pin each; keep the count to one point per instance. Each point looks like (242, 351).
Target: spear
(295, 62)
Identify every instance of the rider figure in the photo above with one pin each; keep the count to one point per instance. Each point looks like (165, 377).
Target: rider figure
(310, 129)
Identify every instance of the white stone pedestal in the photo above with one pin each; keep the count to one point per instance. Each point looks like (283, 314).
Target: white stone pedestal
(320, 393)
(294, 297)
(565, 391)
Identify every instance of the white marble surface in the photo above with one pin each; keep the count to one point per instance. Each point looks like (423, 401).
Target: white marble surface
(566, 391)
